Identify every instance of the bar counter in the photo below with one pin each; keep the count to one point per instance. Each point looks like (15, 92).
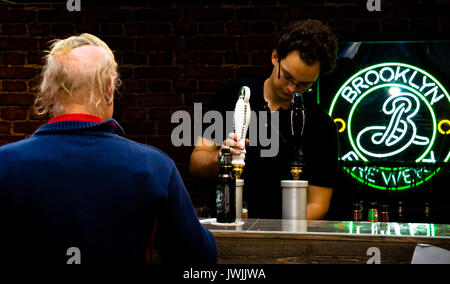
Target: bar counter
(261, 241)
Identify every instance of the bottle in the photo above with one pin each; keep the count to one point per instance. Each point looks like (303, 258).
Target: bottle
(357, 211)
(226, 190)
(400, 214)
(372, 215)
(384, 213)
(427, 213)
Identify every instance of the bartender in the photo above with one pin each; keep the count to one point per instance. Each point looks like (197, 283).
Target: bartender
(302, 51)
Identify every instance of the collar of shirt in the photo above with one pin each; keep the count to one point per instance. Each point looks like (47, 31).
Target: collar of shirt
(81, 123)
(76, 116)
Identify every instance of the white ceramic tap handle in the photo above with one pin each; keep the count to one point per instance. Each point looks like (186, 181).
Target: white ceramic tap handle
(242, 114)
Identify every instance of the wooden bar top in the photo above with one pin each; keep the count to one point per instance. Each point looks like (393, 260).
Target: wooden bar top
(261, 241)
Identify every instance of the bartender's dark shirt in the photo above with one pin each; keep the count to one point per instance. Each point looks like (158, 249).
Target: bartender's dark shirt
(262, 175)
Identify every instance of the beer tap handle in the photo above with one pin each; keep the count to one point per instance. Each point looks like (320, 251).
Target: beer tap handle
(242, 114)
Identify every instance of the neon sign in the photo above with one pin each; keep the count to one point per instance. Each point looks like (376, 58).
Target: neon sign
(393, 112)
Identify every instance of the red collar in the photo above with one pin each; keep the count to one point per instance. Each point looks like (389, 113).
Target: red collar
(76, 116)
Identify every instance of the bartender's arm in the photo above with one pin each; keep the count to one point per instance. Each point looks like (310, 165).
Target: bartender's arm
(204, 162)
(319, 198)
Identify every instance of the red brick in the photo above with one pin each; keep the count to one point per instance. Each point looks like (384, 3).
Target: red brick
(133, 59)
(17, 72)
(134, 86)
(210, 42)
(27, 127)
(18, 43)
(211, 58)
(159, 43)
(159, 114)
(164, 128)
(160, 86)
(241, 58)
(62, 30)
(14, 59)
(135, 29)
(23, 99)
(111, 29)
(5, 127)
(261, 58)
(135, 114)
(119, 44)
(159, 29)
(209, 14)
(209, 85)
(14, 113)
(151, 15)
(258, 13)
(316, 12)
(36, 59)
(263, 28)
(14, 86)
(108, 15)
(237, 28)
(253, 72)
(138, 128)
(182, 86)
(184, 28)
(188, 57)
(59, 16)
(160, 59)
(6, 139)
(13, 29)
(160, 99)
(211, 28)
(16, 15)
(257, 42)
(157, 73)
(208, 72)
(38, 29)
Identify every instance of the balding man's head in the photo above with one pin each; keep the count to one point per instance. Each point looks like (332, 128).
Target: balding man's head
(79, 70)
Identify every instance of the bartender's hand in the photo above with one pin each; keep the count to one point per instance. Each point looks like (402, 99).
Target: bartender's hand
(232, 142)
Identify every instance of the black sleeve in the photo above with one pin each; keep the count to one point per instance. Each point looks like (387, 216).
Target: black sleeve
(323, 163)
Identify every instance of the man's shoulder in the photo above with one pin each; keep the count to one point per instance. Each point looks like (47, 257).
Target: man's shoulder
(142, 149)
(17, 146)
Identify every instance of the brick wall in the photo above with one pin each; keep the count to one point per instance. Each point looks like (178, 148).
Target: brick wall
(174, 53)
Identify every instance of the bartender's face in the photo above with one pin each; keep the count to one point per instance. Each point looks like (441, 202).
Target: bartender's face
(291, 74)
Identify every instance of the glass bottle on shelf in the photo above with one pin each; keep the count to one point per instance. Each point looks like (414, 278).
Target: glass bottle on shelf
(384, 213)
(357, 211)
(372, 215)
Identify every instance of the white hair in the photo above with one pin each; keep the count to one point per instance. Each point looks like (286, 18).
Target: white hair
(65, 79)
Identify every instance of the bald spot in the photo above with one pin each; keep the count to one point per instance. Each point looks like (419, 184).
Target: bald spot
(86, 56)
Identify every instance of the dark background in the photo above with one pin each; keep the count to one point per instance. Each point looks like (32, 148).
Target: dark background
(174, 53)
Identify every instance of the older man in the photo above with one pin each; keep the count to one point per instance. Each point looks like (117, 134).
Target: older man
(76, 191)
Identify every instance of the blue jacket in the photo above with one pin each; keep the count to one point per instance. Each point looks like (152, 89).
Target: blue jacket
(78, 190)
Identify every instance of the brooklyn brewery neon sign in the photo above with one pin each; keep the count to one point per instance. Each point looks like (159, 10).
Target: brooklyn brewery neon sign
(393, 112)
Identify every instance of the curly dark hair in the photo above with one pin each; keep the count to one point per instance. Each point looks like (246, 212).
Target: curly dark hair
(313, 39)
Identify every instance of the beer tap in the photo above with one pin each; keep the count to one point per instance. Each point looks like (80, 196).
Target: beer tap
(241, 123)
(297, 112)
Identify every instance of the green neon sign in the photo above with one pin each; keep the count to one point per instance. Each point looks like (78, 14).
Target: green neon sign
(393, 112)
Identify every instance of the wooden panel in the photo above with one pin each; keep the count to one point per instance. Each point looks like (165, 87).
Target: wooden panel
(265, 248)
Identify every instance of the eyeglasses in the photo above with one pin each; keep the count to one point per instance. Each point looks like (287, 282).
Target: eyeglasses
(287, 79)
